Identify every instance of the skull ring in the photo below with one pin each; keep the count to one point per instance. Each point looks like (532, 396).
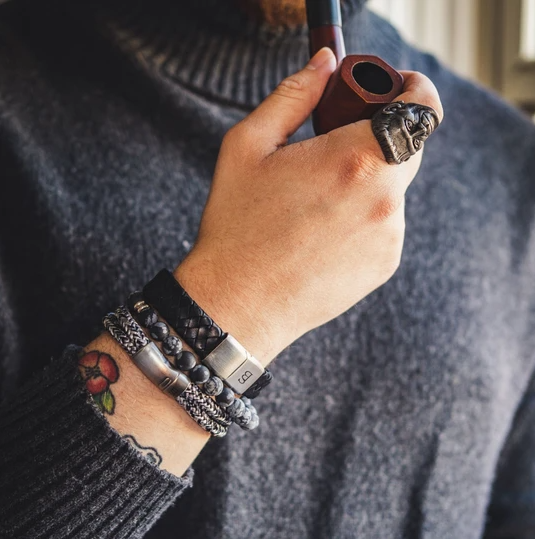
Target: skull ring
(402, 128)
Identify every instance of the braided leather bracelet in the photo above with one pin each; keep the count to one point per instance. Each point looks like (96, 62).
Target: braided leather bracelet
(132, 339)
(175, 305)
(183, 314)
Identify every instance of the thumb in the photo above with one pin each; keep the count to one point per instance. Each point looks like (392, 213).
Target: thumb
(290, 104)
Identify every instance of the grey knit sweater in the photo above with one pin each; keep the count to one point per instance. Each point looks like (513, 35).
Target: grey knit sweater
(410, 416)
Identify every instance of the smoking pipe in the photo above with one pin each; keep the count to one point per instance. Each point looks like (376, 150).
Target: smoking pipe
(361, 84)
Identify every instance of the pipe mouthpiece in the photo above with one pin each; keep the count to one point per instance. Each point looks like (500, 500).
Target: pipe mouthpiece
(323, 13)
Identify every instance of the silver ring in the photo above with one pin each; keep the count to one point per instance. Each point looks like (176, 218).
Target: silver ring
(402, 128)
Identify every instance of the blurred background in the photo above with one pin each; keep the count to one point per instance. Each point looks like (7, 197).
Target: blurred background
(491, 42)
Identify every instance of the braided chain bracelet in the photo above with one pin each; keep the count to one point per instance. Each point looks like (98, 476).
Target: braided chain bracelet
(125, 330)
(192, 392)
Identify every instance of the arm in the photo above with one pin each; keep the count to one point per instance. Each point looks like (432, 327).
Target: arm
(264, 267)
(65, 473)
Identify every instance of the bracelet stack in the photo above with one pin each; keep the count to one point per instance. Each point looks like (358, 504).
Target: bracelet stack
(214, 392)
(186, 362)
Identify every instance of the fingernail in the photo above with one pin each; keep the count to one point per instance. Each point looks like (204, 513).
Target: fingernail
(323, 56)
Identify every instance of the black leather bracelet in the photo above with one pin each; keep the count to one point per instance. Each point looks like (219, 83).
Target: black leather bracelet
(182, 313)
(175, 305)
(260, 384)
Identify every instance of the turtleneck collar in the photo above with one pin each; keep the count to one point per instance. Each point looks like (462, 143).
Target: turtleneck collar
(220, 15)
(212, 47)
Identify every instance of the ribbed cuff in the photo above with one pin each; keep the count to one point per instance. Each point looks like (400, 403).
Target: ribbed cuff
(64, 472)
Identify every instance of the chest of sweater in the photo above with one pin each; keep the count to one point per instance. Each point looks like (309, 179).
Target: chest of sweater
(375, 405)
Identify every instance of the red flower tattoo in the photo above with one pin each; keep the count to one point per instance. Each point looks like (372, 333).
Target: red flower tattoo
(99, 370)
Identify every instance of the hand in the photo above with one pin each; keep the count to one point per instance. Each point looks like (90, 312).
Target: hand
(294, 235)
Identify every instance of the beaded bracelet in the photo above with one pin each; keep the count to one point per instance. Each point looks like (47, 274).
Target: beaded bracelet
(153, 364)
(240, 410)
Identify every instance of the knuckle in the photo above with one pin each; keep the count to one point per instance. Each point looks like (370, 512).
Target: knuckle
(237, 132)
(423, 87)
(231, 135)
(358, 167)
(384, 207)
(237, 139)
(292, 87)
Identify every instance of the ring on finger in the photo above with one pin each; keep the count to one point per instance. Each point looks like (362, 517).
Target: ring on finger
(402, 128)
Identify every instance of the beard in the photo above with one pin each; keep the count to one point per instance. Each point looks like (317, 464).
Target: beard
(276, 12)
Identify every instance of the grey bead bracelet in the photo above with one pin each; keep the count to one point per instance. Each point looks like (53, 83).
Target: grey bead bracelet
(208, 405)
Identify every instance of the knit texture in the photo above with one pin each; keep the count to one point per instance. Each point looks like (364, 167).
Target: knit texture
(68, 475)
(409, 416)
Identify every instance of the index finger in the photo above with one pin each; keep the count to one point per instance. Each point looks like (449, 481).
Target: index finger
(417, 88)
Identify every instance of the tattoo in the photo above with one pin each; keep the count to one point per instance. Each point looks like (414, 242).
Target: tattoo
(149, 453)
(99, 371)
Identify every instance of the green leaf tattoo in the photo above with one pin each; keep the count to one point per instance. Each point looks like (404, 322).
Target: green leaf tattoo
(99, 371)
(108, 402)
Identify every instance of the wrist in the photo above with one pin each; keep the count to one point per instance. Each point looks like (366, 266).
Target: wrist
(248, 315)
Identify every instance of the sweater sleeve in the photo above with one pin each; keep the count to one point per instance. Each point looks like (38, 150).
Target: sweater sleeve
(64, 472)
(511, 512)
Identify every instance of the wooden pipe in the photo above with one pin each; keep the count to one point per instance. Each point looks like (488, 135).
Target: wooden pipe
(361, 84)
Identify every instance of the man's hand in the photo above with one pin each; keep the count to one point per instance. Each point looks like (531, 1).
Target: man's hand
(294, 235)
